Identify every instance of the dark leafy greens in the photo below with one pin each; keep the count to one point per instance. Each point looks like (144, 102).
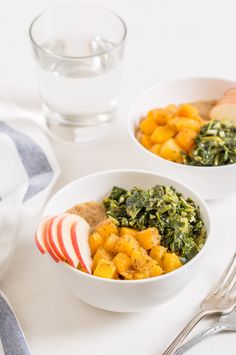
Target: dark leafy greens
(215, 145)
(177, 219)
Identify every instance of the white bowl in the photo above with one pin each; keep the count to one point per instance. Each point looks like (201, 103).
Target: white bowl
(209, 182)
(118, 295)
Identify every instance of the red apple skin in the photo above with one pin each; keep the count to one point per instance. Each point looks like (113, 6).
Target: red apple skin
(47, 241)
(62, 246)
(56, 251)
(76, 247)
(41, 249)
(41, 245)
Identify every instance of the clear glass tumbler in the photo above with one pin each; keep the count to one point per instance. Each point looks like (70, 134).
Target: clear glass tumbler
(78, 50)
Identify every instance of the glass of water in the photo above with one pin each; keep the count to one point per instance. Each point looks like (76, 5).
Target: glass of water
(78, 50)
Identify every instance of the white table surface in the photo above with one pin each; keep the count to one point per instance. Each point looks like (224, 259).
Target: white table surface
(166, 40)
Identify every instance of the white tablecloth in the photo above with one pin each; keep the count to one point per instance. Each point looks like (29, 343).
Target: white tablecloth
(166, 39)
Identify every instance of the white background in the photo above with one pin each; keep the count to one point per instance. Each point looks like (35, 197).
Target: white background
(167, 39)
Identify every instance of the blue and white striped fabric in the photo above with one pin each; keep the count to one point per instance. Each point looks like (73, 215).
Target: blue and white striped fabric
(28, 171)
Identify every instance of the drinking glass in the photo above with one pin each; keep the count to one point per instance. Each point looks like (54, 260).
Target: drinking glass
(78, 51)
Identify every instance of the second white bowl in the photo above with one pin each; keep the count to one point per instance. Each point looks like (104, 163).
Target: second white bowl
(209, 182)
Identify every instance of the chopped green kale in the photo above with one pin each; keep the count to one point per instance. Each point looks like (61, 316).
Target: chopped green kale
(214, 145)
(177, 219)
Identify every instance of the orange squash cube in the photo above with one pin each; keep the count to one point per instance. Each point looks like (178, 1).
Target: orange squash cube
(160, 116)
(146, 141)
(147, 125)
(190, 123)
(162, 134)
(157, 253)
(186, 139)
(129, 231)
(122, 262)
(140, 275)
(148, 238)
(110, 243)
(171, 150)
(155, 149)
(187, 110)
(95, 241)
(100, 254)
(126, 244)
(155, 269)
(170, 262)
(106, 227)
(106, 269)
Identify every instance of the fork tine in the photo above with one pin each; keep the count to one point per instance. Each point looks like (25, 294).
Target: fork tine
(220, 283)
(228, 284)
(233, 291)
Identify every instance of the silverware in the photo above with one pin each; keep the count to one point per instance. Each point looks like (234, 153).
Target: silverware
(225, 323)
(221, 300)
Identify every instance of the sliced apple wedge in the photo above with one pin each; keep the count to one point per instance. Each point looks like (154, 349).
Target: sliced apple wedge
(53, 236)
(79, 235)
(65, 240)
(224, 111)
(48, 244)
(40, 234)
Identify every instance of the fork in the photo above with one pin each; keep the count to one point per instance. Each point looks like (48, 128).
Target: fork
(221, 300)
(225, 323)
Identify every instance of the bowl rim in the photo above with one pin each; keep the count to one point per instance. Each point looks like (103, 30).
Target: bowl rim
(138, 171)
(145, 92)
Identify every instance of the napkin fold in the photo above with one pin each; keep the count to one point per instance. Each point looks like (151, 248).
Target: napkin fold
(28, 171)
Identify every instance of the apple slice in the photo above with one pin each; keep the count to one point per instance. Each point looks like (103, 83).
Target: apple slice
(224, 111)
(40, 234)
(48, 244)
(53, 236)
(79, 236)
(65, 241)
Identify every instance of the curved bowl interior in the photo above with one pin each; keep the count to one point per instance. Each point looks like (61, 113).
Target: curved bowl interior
(115, 295)
(204, 180)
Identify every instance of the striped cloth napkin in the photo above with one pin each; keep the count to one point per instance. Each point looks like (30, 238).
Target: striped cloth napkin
(28, 171)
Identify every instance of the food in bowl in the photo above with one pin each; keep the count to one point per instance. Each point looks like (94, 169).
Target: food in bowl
(131, 235)
(200, 133)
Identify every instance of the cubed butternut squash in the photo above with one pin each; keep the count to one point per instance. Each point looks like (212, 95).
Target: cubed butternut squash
(140, 275)
(146, 141)
(95, 241)
(160, 116)
(140, 261)
(186, 139)
(156, 149)
(157, 253)
(147, 125)
(100, 254)
(129, 231)
(170, 262)
(128, 275)
(187, 110)
(162, 134)
(122, 262)
(191, 123)
(171, 150)
(172, 123)
(126, 244)
(155, 269)
(106, 227)
(148, 238)
(110, 243)
(106, 269)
